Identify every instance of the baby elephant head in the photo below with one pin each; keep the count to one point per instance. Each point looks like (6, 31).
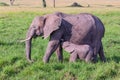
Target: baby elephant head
(41, 26)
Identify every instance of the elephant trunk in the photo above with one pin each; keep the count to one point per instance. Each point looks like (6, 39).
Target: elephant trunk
(28, 49)
(29, 37)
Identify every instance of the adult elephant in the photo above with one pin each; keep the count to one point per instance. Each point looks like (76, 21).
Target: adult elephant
(79, 29)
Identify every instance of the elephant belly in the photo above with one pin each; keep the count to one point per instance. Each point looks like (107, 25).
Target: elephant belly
(81, 38)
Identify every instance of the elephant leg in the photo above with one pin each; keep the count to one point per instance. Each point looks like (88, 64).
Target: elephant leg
(89, 56)
(59, 53)
(73, 57)
(101, 53)
(52, 46)
(96, 50)
(95, 55)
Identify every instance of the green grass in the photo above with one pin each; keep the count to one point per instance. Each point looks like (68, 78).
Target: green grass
(14, 66)
(3, 4)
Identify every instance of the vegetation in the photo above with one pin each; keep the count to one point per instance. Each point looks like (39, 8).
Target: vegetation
(3, 4)
(14, 23)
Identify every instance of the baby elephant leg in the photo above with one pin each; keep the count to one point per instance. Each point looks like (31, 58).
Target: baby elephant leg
(73, 57)
(89, 56)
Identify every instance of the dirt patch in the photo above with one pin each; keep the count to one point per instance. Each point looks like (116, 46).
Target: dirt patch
(75, 4)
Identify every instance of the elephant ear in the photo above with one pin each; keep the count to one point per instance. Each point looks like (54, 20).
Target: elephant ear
(52, 23)
(67, 46)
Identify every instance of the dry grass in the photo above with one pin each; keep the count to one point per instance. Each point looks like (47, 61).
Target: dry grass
(66, 9)
(37, 3)
(36, 6)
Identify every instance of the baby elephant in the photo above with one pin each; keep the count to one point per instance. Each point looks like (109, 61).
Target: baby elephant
(83, 52)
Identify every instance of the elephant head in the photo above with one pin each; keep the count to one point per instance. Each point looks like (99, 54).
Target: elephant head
(41, 26)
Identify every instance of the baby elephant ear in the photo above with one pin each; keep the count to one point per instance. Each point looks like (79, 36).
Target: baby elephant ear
(67, 46)
(52, 23)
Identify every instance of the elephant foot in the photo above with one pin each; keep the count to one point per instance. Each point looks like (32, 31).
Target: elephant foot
(72, 61)
(30, 61)
(45, 60)
(60, 59)
(94, 60)
(103, 60)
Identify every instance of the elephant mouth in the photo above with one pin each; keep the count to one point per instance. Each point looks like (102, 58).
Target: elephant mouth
(41, 35)
(35, 36)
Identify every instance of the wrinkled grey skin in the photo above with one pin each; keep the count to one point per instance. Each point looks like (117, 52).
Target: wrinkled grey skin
(83, 52)
(78, 29)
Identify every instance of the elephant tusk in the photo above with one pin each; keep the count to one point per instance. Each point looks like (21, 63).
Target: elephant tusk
(25, 40)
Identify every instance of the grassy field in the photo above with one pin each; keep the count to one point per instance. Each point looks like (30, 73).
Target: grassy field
(14, 22)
